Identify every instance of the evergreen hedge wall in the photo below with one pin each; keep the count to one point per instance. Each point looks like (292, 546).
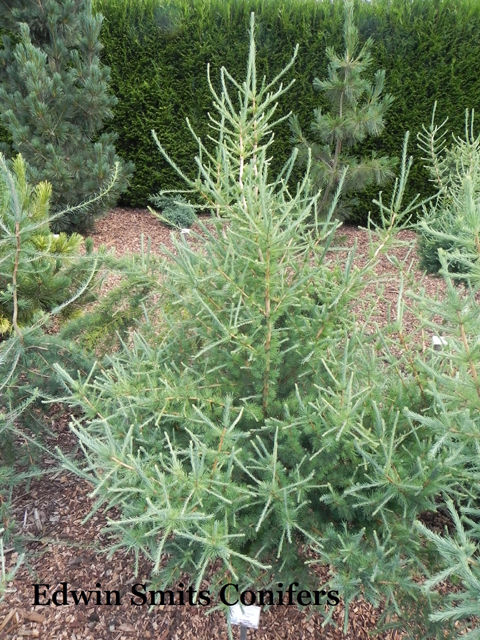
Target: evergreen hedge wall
(158, 58)
(158, 51)
(158, 55)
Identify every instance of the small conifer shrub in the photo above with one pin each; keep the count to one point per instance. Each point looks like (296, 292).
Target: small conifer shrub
(221, 449)
(357, 110)
(451, 223)
(176, 212)
(454, 426)
(250, 429)
(39, 270)
(41, 276)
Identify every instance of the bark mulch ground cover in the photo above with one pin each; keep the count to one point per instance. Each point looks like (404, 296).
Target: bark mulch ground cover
(62, 548)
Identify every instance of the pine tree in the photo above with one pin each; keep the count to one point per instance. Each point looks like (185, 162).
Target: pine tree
(357, 111)
(47, 267)
(53, 102)
(41, 275)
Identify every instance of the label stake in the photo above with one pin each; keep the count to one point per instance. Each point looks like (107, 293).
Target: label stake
(246, 617)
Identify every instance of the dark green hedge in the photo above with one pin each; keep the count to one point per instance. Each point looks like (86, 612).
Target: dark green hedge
(158, 59)
(158, 51)
(158, 56)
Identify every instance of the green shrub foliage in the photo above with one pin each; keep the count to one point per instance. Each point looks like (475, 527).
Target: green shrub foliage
(41, 275)
(38, 269)
(176, 212)
(454, 429)
(451, 224)
(11, 458)
(241, 319)
(105, 327)
(54, 99)
(460, 563)
(357, 110)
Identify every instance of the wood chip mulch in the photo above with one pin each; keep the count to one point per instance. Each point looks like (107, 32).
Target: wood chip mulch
(62, 548)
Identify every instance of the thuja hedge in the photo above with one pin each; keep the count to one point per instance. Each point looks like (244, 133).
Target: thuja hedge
(158, 55)
(158, 52)
(158, 59)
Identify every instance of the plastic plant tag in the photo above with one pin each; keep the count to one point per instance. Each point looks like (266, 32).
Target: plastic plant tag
(245, 615)
(438, 342)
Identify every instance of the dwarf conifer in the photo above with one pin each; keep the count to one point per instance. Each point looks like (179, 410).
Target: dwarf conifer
(450, 225)
(41, 275)
(245, 425)
(38, 269)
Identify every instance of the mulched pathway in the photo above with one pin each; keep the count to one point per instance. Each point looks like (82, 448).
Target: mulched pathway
(64, 548)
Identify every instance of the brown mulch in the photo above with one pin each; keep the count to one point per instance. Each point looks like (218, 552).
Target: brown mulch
(65, 549)
(122, 231)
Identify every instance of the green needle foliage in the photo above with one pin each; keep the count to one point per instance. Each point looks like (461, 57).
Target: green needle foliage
(454, 425)
(357, 110)
(176, 212)
(254, 425)
(213, 379)
(40, 276)
(451, 224)
(54, 100)
(104, 328)
(47, 268)
(461, 563)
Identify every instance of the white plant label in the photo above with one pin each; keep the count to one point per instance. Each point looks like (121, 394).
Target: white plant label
(438, 342)
(245, 615)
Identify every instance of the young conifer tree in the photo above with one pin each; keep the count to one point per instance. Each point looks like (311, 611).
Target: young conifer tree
(47, 268)
(357, 110)
(41, 275)
(239, 428)
(454, 424)
(451, 223)
(227, 359)
(54, 100)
